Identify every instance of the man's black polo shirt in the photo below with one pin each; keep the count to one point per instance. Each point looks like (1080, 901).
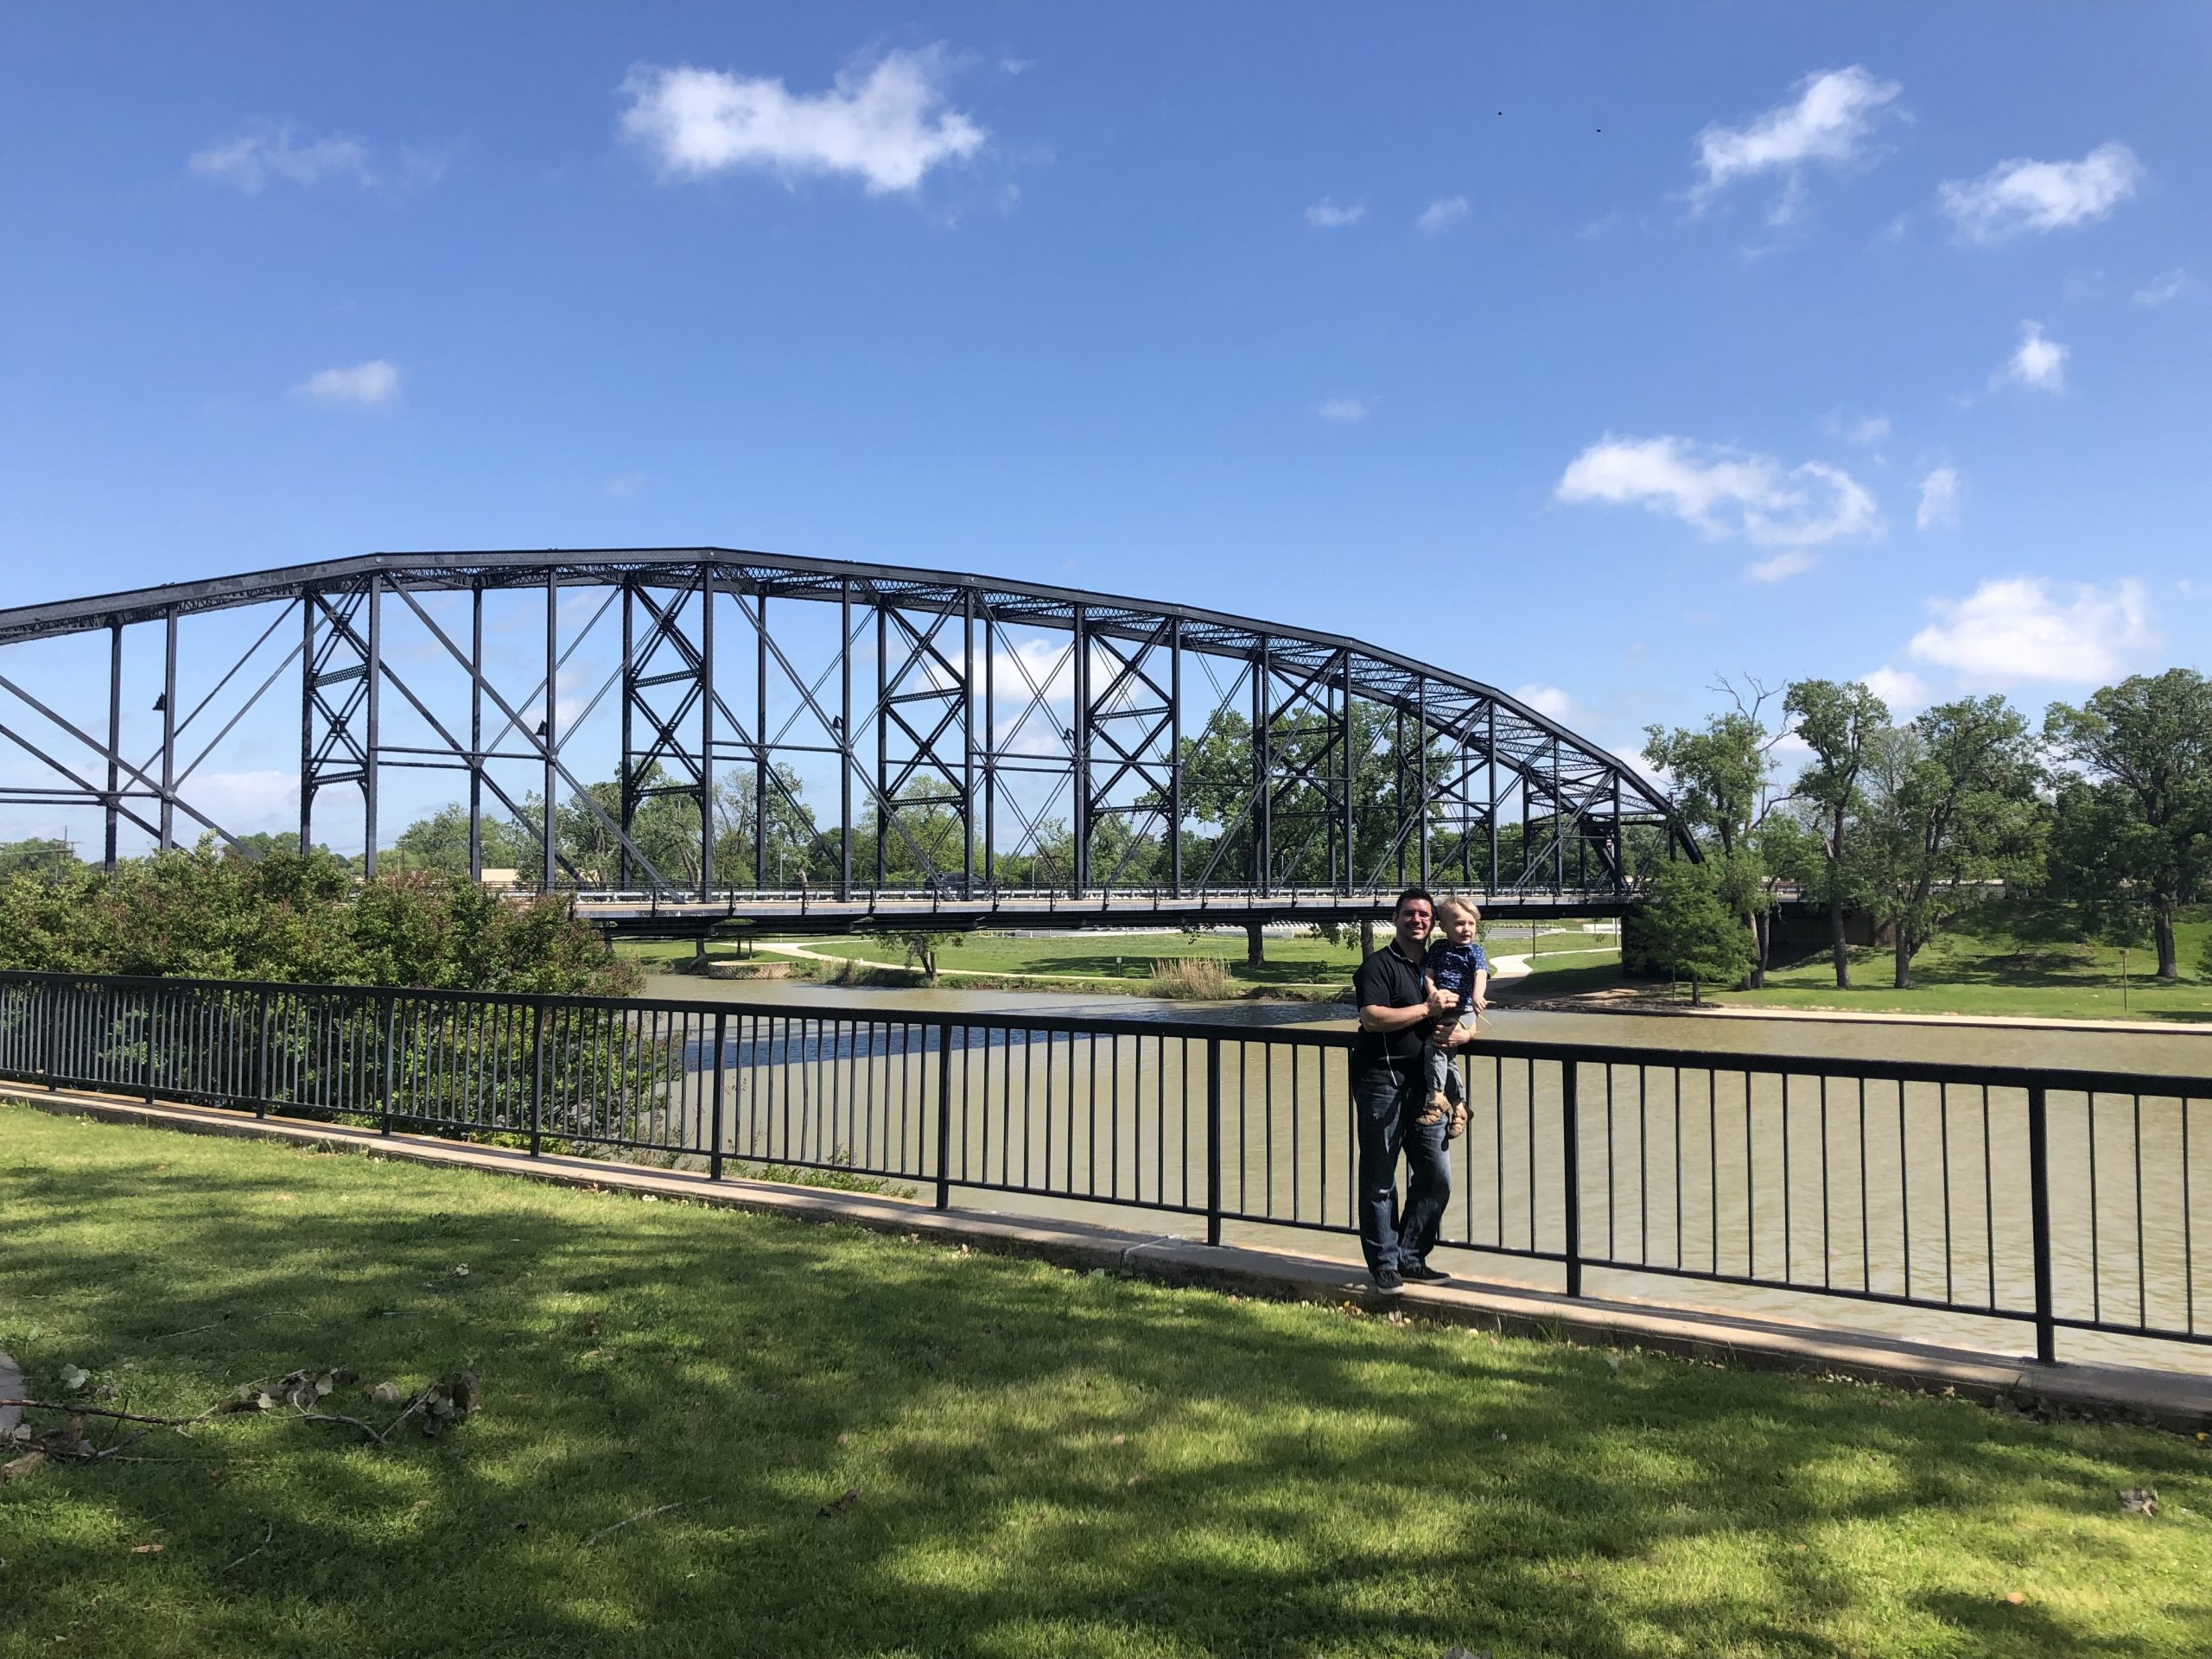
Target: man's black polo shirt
(1387, 980)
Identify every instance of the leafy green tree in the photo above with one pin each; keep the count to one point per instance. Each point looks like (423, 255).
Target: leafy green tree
(1685, 924)
(37, 856)
(921, 948)
(440, 842)
(1721, 778)
(2134, 822)
(1951, 802)
(1835, 720)
(202, 914)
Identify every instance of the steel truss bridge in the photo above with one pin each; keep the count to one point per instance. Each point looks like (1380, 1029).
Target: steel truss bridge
(921, 744)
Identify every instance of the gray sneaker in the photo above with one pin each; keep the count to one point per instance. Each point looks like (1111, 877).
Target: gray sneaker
(1388, 1281)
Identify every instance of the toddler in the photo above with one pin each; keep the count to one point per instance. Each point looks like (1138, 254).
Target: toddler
(1455, 963)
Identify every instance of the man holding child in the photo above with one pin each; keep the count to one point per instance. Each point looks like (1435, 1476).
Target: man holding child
(1404, 1013)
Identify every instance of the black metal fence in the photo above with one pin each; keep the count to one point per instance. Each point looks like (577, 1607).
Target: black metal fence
(2057, 1200)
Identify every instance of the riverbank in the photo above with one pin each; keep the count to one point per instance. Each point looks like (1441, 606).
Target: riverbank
(702, 1430)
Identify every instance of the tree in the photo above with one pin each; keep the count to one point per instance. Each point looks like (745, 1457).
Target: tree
(1835, 721)
(1720, 776)
(37, 856)
(440, 842)
(202, 914)
(1950, 800)
(921, 947)
(1685, 925)
(2136, 819)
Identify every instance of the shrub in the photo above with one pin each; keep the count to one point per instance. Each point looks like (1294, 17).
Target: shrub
(1192, 979)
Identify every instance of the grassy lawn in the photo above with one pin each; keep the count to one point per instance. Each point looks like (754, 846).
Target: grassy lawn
(1044, 1463)
(2003, 961)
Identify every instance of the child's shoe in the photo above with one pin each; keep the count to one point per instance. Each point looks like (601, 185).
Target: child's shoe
(1438, 1106)
(1459, 1120)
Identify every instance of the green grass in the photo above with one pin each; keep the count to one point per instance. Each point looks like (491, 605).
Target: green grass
(2004, 960)
(1046, 1463)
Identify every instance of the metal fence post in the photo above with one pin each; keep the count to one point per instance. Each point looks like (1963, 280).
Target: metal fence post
(714, 1157)
(52, 1044)
(261, 1060)
(146, 1068)
(536, 1078)
(384, 1068)
(1571, 1209)
(1213, 1139)
(944, 1117)
(2039, 1199)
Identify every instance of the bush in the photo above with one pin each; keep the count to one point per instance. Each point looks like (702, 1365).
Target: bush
(207, 914)
(1192, 979)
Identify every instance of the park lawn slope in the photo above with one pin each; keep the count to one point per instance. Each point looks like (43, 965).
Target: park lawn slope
(875, 1446)
(2008, 960)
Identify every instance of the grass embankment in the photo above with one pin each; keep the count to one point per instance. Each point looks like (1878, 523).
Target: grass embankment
(1041, 1462)
(2004, 959)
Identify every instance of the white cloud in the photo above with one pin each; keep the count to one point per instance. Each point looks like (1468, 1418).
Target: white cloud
(2021, 195)
(262, 153)
(1939, 499)
(885, 124)
(1830, 121)
(373, 385)
(1548, 700)
(2029, 628)
(2039, 365)
(2166, 285)
(1443, 212)
(1905, 691)
(1725, 493)
(1343, 409)
(1327, 215)
(1868, 428)
(1791, 561)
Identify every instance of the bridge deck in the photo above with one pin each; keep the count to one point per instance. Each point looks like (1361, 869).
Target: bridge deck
(641, 915)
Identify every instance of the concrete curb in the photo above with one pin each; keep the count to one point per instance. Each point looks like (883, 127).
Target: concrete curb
(2164, 1399)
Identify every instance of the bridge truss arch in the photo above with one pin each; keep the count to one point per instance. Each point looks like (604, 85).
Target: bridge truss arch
(886, 731)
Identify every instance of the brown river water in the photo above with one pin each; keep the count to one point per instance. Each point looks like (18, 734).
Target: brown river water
(1687, 1168)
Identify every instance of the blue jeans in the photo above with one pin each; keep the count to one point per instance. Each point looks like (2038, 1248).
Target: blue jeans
(1385, 1101)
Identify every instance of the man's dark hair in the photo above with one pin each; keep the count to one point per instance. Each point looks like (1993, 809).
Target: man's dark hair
(1422, 893)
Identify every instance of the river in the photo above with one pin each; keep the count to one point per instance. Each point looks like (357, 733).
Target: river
(1687, 1166)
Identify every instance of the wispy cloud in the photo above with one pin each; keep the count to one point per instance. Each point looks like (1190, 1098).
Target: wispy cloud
(1327, 214)
(374, 384)
(1856, 428)
(1791, 561)
(2166, 285)
(2021, 195)
(1441, 215)
(265, 152)
(1939, 499)
(2018, 629)
(885, 124)
(1344, 409)
(1831, 121)
(2039, 364)
(1723, 493)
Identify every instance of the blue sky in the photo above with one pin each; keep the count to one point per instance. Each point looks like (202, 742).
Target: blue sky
(1589, 351)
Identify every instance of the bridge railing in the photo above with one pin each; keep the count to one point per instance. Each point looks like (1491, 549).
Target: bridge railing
(2041, 1202)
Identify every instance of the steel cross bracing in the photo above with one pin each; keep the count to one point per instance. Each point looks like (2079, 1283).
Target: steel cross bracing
(854, 732)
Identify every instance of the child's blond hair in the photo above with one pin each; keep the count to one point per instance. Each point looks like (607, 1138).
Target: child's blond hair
(1465, 907)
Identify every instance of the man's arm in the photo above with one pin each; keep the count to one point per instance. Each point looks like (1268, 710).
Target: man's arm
(1377, 1018)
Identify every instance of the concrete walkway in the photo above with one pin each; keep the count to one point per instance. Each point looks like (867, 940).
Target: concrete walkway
(2168, 1399)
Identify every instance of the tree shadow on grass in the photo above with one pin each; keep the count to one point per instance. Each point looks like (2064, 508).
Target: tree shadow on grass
(1046, 1463)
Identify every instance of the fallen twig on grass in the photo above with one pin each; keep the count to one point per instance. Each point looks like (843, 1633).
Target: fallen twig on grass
(267, 1531)
(642, 1515)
